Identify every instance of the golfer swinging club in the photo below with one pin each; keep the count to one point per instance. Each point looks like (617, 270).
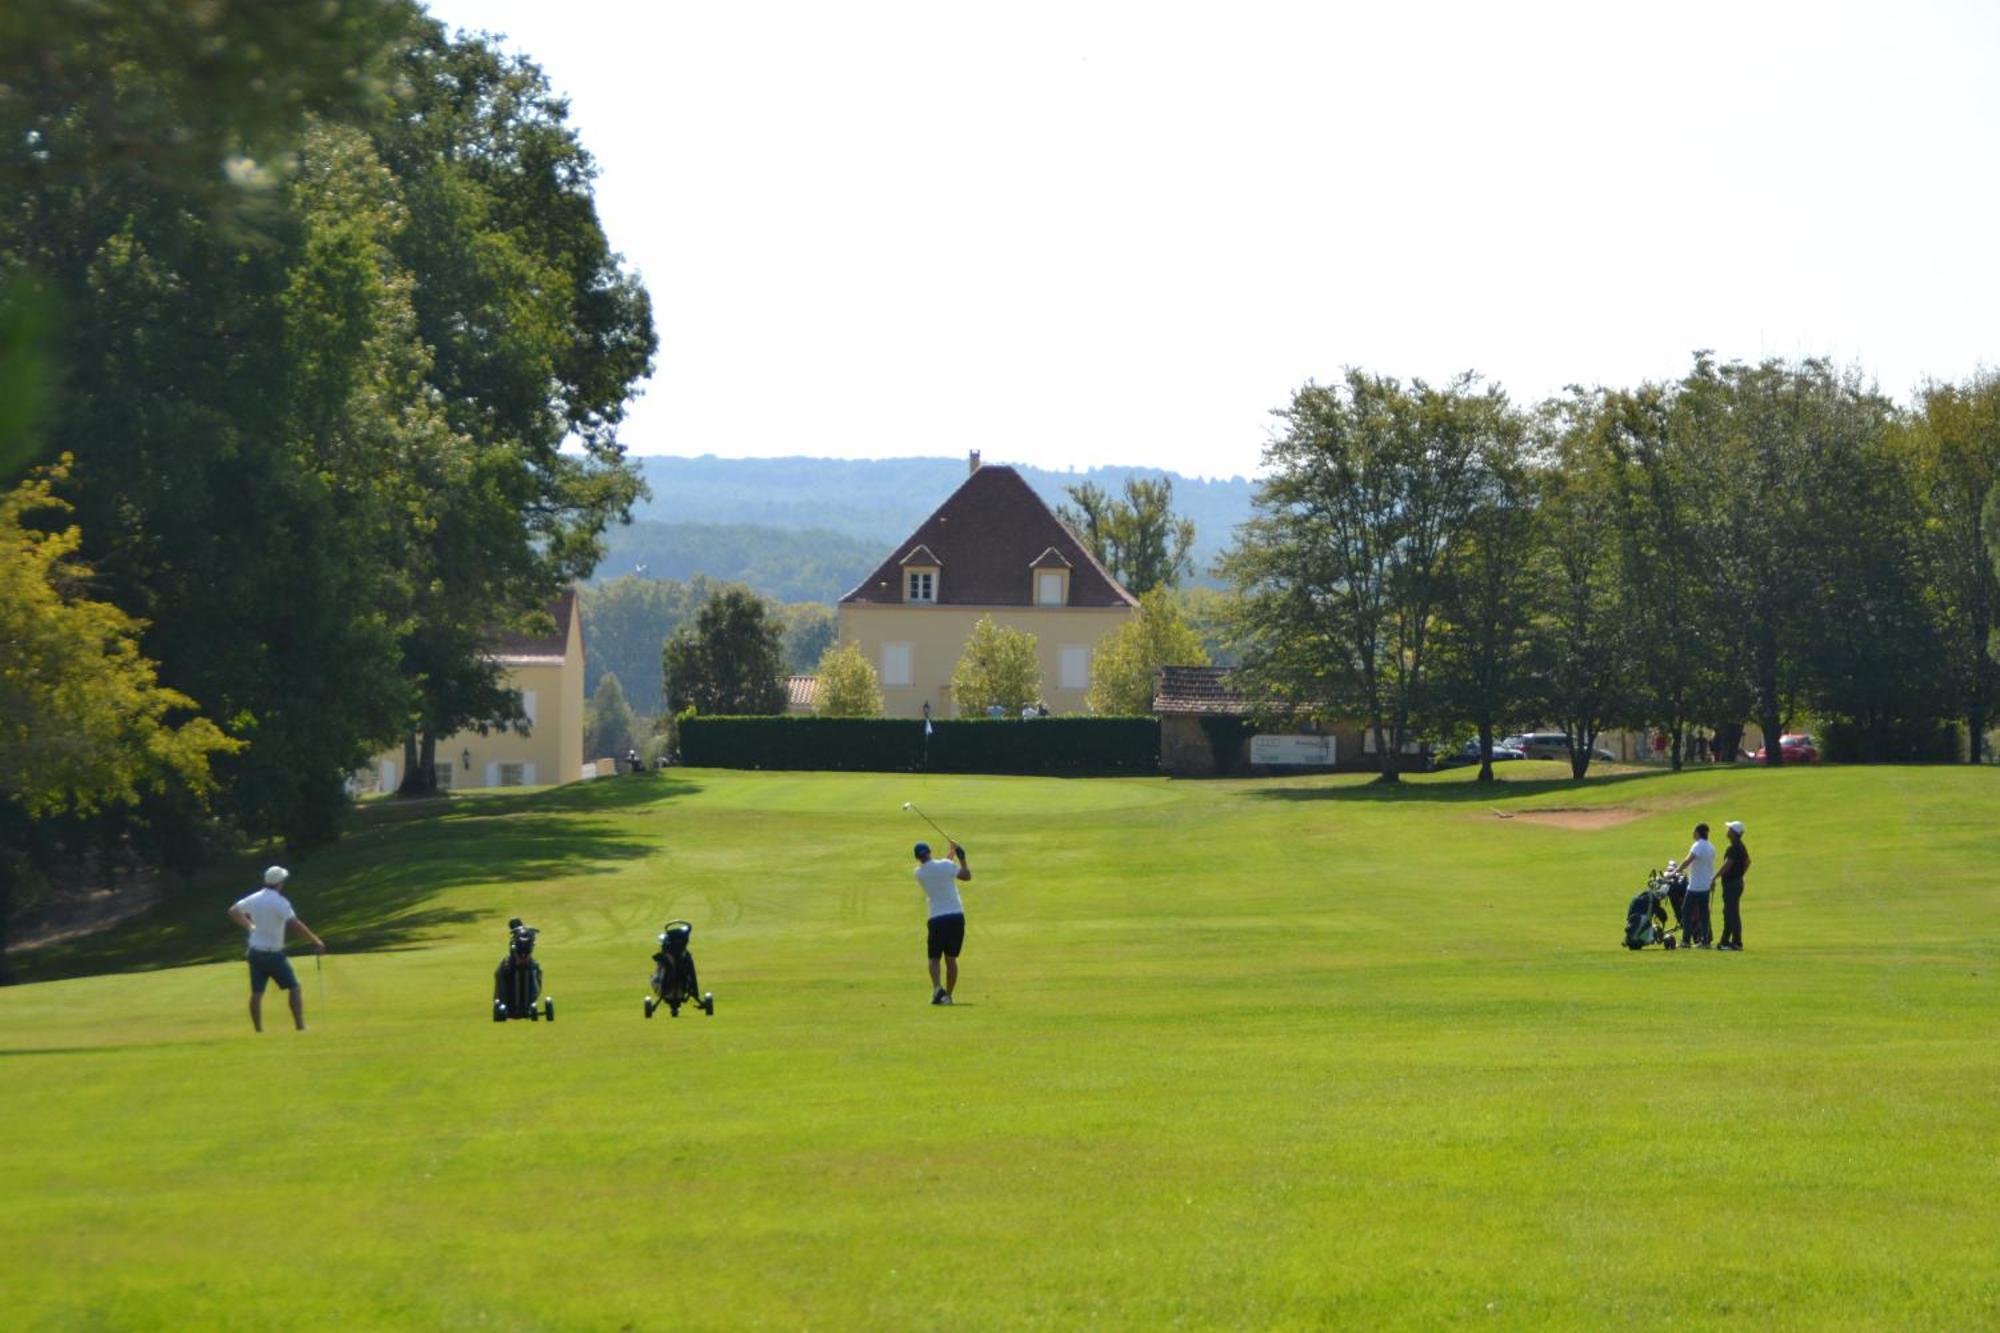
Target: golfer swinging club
(947, 922)
(265, 914)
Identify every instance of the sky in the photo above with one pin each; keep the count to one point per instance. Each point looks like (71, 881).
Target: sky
(1086, 234)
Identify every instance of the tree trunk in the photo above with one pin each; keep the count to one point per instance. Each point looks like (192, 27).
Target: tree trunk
(1768, 716)
(1674, 748)
(1975, 735)
(1728, 741)
(1384, 753)
(7, 874)
(1486, 751)
(428, 761)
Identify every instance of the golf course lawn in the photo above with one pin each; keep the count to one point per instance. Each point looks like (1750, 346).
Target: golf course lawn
(1284, 1053)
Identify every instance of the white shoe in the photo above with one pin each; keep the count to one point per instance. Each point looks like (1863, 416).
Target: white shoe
(944, 997)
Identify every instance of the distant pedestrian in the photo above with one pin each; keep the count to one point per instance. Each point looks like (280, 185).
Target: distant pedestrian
(266, 914)
(945, 931)
(1735, 865)
(1699, 867)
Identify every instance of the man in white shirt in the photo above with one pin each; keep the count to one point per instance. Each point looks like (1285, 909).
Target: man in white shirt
(266, 914)
(1700, 870)
(946, 929)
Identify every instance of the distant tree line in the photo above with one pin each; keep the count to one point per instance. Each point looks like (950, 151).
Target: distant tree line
(299, 307)
(1750, 543)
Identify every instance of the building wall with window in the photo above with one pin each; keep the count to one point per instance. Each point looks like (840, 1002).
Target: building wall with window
(993, 548)
(548, 671)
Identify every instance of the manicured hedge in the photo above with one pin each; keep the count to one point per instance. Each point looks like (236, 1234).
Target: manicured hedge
(1067, 745)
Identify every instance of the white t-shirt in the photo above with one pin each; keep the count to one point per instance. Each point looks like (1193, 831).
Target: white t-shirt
(1700, 865)
(939, 876)
(268, 911)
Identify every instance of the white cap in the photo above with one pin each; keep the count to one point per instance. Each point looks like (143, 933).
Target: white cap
(276, 875)
(1735, 826)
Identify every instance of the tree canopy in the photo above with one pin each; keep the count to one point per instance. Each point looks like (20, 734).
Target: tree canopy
(729, 661)
(1126, 661)
(997, 667)
(1138, 538)
(848, 685)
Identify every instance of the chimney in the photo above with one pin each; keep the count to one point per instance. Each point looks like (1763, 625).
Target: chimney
(974, 461)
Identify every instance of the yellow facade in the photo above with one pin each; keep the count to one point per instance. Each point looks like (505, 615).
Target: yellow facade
(919, 644)
(551, 686)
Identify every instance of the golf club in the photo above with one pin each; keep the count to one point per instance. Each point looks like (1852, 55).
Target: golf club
(932, 822)
(319, 971)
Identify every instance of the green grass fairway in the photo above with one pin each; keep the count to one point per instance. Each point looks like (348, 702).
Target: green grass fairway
(1282, 1054)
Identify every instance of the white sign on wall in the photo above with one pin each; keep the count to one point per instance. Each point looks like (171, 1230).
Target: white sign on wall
(1298, 751)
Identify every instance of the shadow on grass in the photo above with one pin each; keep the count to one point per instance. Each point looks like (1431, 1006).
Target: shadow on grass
(1429, 788)
(367, 893)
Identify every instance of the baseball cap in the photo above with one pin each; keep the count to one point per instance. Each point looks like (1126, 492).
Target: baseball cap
(276, 875)
(923, 849)
(1735, 826)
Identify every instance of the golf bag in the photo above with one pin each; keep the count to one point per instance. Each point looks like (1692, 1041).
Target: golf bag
(1646, 916)
(517, 982)
(674, 981)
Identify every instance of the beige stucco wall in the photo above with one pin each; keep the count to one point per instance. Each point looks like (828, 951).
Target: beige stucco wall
(553, 747)
(937, 635)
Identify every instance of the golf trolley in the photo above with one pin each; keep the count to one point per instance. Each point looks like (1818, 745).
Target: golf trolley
(517, 982)
(674, 981)
(1646, 916)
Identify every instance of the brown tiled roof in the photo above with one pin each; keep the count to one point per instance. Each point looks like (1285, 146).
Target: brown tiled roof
(985, 537)
(1198, 691)
(540, 649)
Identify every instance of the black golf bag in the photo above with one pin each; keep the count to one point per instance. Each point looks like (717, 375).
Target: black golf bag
(517, 982)
(674, 981)
(1646, 915)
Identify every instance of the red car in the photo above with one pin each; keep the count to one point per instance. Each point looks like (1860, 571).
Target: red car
(1794, 748)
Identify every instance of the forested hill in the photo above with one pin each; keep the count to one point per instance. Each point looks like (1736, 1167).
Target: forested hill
(809, 528)
(882, 500)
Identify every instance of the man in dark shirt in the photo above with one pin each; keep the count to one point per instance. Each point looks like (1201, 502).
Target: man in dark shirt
(1735, 865)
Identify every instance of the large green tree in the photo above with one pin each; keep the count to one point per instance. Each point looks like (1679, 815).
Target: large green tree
(1484, 672)
(1138, 538)
(1343, 569)
(729, 661)
(536, 336)
(1954, 446)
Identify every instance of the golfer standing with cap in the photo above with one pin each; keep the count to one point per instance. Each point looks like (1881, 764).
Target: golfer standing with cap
(1700, 869)
(946, 931)
(1735, 865)
(266, 914)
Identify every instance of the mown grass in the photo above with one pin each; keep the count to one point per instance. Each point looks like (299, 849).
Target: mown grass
(1260, 1054)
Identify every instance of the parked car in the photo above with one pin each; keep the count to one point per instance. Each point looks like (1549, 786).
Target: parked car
(1468, 753)
(1794, 747)
(1550, 745)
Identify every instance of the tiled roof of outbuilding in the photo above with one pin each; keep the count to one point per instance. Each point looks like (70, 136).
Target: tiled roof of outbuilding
(1198, 691)
(985, 537)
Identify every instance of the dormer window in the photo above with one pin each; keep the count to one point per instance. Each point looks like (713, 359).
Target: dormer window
(920, 576)
(1050, 573)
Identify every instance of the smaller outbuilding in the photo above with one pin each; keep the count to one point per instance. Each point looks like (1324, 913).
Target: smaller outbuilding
(1208, 728)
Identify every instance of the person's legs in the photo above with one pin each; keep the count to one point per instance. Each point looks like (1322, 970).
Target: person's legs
(937, 986)
(1732, 915)
(297, 994)
(1706, 927)
(258, 978)
(950, 973)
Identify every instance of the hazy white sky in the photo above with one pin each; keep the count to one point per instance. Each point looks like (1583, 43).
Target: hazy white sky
(1083, 233)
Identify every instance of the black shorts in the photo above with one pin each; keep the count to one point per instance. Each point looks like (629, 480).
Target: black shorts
(270, 965)
(947, 935)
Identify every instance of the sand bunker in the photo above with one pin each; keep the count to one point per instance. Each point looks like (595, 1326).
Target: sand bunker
(1595, 817)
